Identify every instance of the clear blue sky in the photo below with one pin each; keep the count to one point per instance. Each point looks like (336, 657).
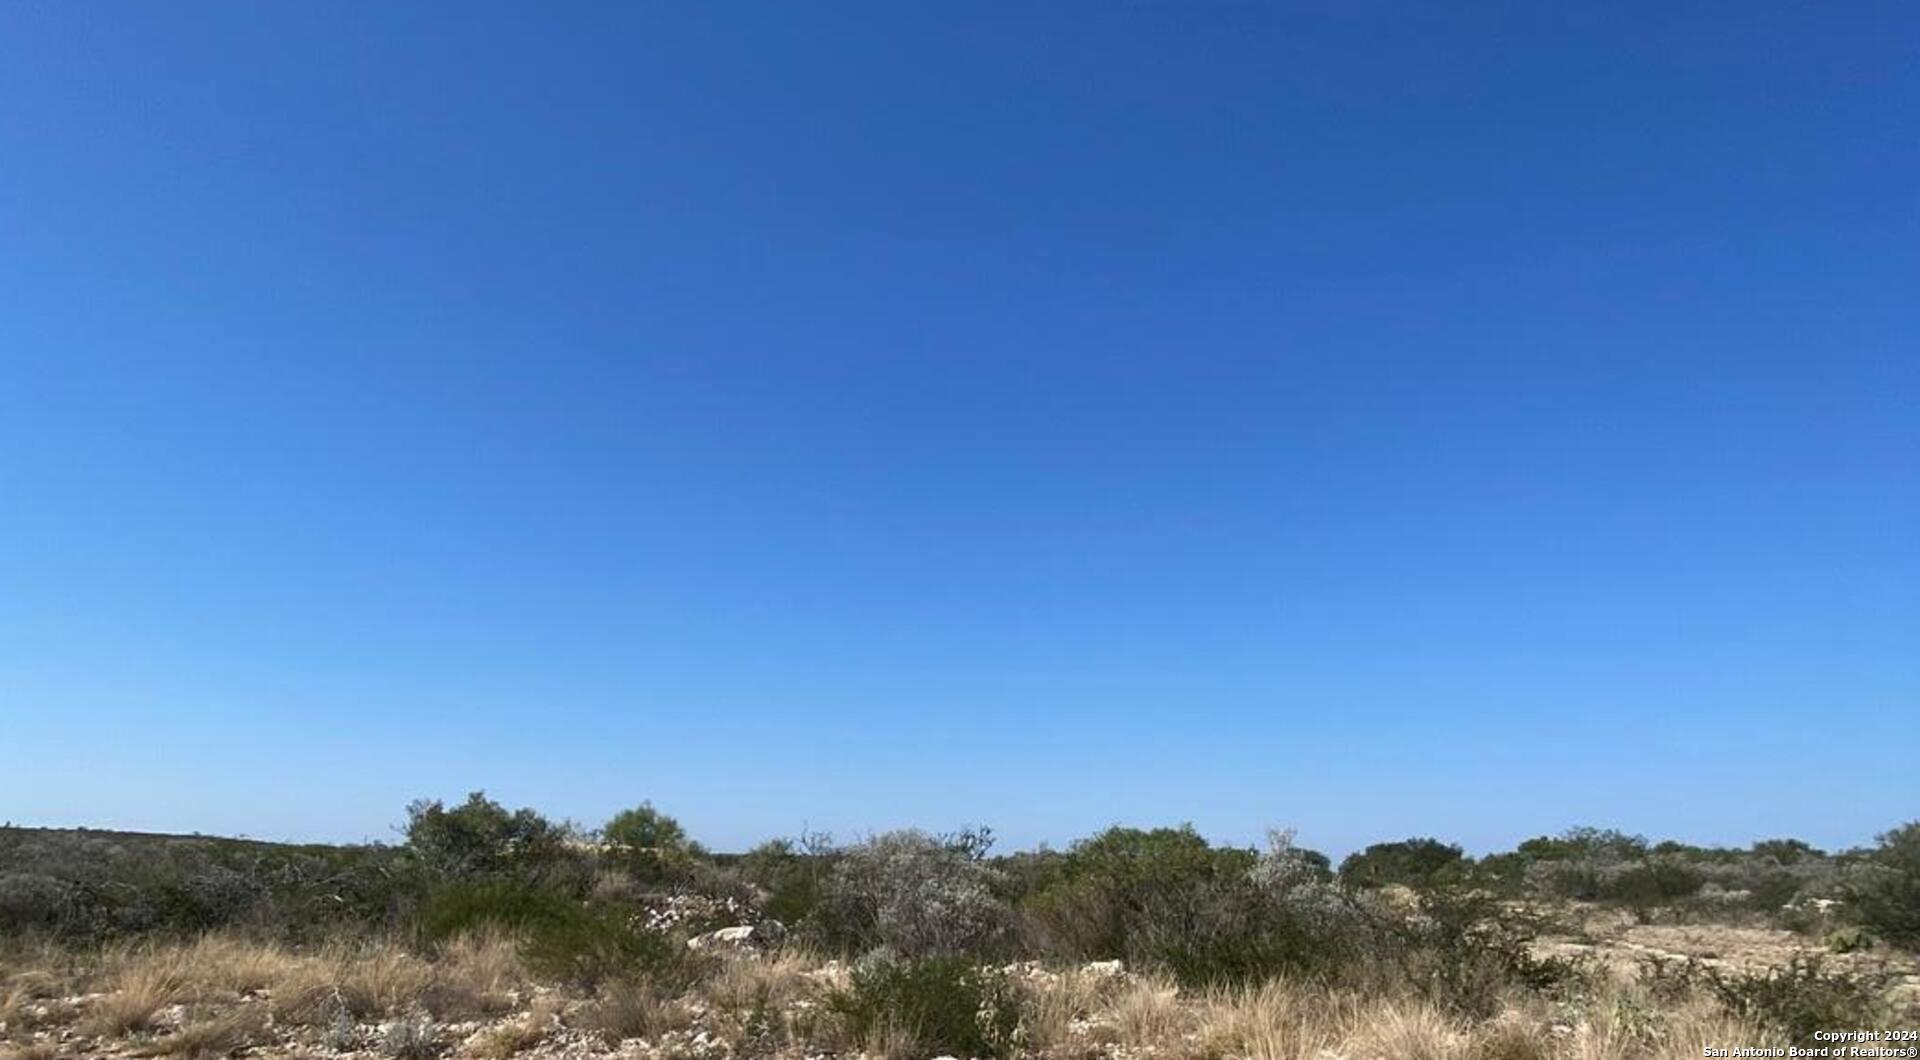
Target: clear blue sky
(1384, 419)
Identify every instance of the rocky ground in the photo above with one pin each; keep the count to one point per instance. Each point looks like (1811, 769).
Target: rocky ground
(1620, 942)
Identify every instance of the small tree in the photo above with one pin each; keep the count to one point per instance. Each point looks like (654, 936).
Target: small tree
(1413, 862)
(1606, 845)
(651, 845)
(1885, 893)
(480, 837)
(1654, 881)
(1787, 851)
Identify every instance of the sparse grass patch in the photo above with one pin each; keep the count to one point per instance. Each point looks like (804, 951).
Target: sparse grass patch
(474, 975)
(634, 1009)
(518, 1035)
(19, 991)
(1149, 1012)
(759, 1003)
(203, 1037)
(360, 980)
(743, 983)
(1510, 1038)
(486, 961)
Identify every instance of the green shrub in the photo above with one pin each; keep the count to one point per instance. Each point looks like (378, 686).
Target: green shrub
(596, 945)
(1770, 889)
(1850, 940)
(87, 886)
(792, 874)
(1228, 931)
(1092, 902)
(1803, 997)
(947, 1005)
(914, 894)
(561, 937)
(1799, 999)
(1466, 953)
(1786, 851)
(467, 905)
(1651, 882)
(1503, 874)
(480, 837)
(34, 901)
(1168, 901)
(1599, 844)
(1419, 863)
(651, 846)
(1884, 894)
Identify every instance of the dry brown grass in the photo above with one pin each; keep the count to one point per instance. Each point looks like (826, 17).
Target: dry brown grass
(1621, 1024)
(1148, 1013)
(759, 1002)
(1285, 1021)
(1274, 1021)
(381, 978)
(24, 991)
(142, 982)
(1511, 1037)
(216, 1034)
(487, 962)
(518, 1035)
(1690, 1029)
(212, 968)
(365, 980)
(891, 1041)
(634, 1010)
(474, 976)
(307, 995)
(743, 983)
(217, 965)
(14, 999)
(1052, 1002)
(770, 1005)
(28, 984)
(1406, 1030)
(35, 1051)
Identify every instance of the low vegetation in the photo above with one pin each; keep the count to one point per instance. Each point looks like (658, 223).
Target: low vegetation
(493, 932)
